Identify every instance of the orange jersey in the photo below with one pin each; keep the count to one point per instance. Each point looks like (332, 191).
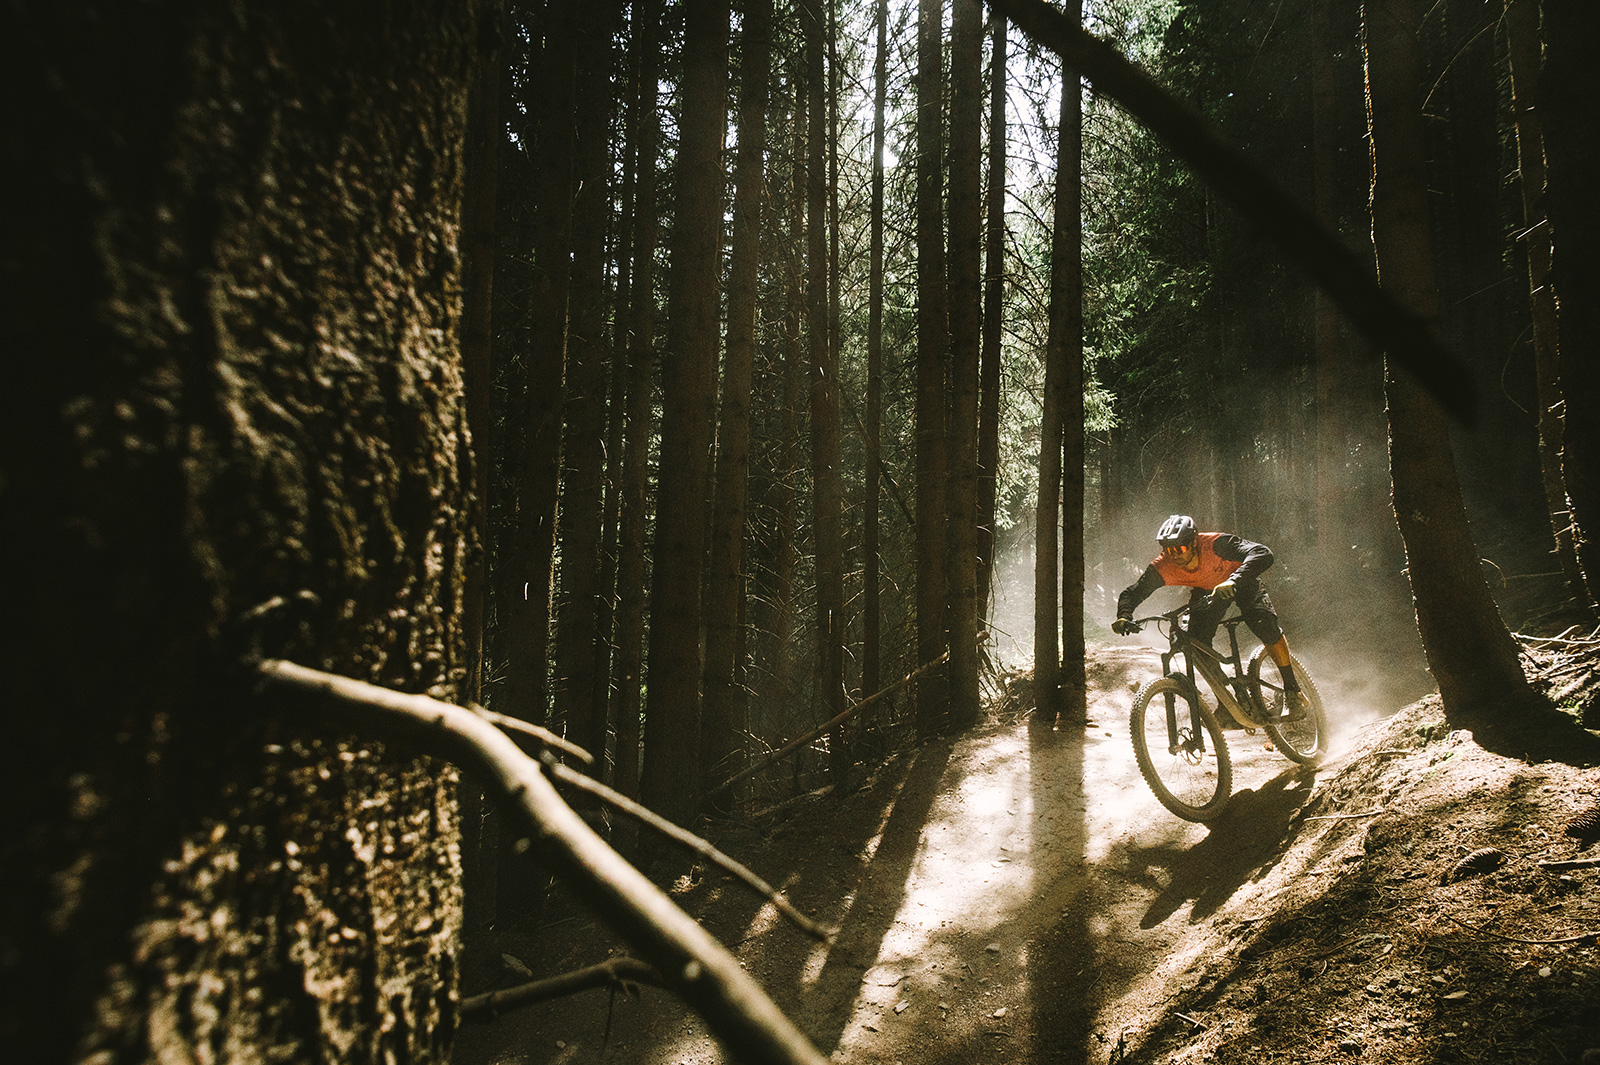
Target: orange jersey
(1211, 571)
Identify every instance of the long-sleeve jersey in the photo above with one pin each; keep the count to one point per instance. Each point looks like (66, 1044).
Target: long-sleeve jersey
(1222, 555)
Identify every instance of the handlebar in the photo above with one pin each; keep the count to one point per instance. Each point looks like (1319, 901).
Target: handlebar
(1171, 617)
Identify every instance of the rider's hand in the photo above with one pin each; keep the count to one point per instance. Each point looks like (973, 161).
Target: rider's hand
(1224, 591)
(1124, 626)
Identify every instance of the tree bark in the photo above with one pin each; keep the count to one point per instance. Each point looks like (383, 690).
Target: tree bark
(1469, 650)
(235, 427)
(670, 776)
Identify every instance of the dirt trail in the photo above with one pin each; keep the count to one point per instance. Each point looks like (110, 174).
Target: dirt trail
(1013, 895)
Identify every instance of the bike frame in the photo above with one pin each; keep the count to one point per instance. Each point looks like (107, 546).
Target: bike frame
(1198, 658)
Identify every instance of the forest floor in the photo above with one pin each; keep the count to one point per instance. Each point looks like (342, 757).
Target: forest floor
(1016, 894)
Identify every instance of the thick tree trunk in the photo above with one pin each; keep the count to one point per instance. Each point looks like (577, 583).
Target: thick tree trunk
(933, 341)
(670, 777)
(721, 749)
(232, 287)
(1470, 653)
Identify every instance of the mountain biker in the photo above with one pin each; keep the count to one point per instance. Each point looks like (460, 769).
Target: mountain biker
(1227, 567)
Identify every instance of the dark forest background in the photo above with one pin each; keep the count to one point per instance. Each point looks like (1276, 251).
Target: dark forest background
(674, 377)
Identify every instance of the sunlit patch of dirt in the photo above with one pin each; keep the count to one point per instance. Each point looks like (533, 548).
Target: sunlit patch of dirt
(1017, 895)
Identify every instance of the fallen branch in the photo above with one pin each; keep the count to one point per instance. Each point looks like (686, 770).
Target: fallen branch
(692, 964)
(832, 723)
(545, 738)
(616, 973)
(1344, 817)
(683, 836)
(1403, 336)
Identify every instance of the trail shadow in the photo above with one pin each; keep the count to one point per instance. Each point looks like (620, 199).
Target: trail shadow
(1540, 734)
(1243, 842)
(825, 1007)
(1061, 963)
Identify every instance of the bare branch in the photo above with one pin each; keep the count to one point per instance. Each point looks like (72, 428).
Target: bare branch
(616, 973)
(546, 739)
(690, 961)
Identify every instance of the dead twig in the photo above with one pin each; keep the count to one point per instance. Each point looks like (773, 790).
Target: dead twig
(692, 964)
(1344, 817)
(614, 973)
(1574, 863)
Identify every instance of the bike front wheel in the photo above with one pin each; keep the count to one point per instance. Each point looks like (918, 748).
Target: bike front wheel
(1180, 749)
(1304, 740)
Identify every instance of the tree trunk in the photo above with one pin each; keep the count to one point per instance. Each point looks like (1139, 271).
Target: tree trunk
(1048, 564)
(965, 309)
(1569, 98)
(1332, 354)
(1067, 308)
(583, 457)
(871, 612)
(523, 605)
(721, 748)
(993, 317)
(1470, 653)
(933, 341)
(826, 484)
(1522, 41)
(634, 517)
(670, 778)
(232, 282)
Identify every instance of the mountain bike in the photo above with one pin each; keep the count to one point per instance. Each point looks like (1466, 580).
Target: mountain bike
(1178, 739)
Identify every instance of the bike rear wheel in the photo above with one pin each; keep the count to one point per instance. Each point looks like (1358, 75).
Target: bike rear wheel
(1180, 749)
(1305, 740)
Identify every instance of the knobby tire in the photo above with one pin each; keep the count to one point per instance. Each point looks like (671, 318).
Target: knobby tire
(1192, 784)
(1304, 741)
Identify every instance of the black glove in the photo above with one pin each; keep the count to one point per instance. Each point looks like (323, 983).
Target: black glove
(1124, 626)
